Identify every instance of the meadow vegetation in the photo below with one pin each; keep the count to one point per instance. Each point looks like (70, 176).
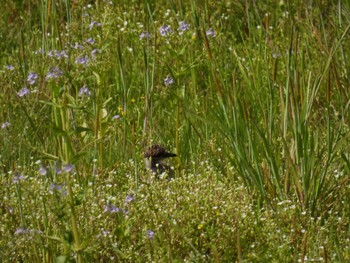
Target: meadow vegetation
(253, 96)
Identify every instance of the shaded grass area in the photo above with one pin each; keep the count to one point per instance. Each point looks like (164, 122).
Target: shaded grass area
(251, 96)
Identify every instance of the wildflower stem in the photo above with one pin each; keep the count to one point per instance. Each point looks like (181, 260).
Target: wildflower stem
(75, 228)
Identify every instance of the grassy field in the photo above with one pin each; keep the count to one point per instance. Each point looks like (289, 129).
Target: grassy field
(253, 97)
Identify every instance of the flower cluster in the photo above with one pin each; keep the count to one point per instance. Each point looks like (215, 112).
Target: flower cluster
(32, 76)
(5, 125)
(145, 35)
(83, 60)
(150, 234)
(23, 92)
(210, 32)
(165, 30)
(183, 26)
(84, 91)
(17, 178)
(10, 67)
(57, 54)
(94, 24)
(68, 168)
(168, 81)
(110, 208)
(53, 73)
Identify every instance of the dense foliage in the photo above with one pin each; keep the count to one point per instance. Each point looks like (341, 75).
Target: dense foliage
(251, 95)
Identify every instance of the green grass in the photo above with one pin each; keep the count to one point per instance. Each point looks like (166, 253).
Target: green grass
(256, 110)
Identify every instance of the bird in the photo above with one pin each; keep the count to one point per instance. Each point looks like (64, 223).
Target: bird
(154, 156)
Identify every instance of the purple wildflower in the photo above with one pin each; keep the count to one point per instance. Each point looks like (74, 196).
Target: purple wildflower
(69, 167)
(42, 170)
(17, 178)
(104, 232)
(128, 199)
(116, 117)
(77, 46)
(210, 32)
(95, 51)
(94, 23)
(52, 53)
(23, 92)
(168, 81)
(84, 91)
(111, 208)
(58, 188)
(165, 30)
(150, 234)
(32, 76)
(55, 187)
(145, 35)
(57, 54)
(20, 231)
(53, 73)
(90, 41)
(24, 231)
(183, 26)
(5, 125)
(61, 54)
(58, 169)
(82, 60)
(10, 67)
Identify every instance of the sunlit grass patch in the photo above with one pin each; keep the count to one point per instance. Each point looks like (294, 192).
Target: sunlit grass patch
(193, 218)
